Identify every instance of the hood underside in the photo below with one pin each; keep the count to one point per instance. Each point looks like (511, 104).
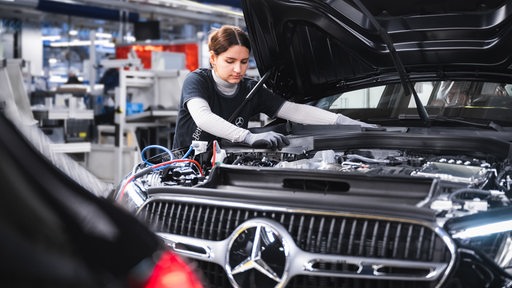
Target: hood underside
(318, 48)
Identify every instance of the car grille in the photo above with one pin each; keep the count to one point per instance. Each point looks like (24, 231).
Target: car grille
(321, 233)
(215, 276)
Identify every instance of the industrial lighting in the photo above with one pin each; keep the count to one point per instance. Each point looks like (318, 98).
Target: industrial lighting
(192, 5)
(57, 79)
(483, 230)
(75, 43)
(73, 32)
(103, 35)
(51, 38)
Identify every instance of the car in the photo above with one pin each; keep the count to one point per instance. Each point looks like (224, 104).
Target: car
(421, 200)
(55, 231)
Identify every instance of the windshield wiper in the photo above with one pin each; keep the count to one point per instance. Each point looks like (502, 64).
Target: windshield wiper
(408, 88)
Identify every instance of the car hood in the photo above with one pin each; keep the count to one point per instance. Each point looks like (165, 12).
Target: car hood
(317, 48)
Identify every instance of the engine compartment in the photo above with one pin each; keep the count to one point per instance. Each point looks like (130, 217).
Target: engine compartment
(465, 184)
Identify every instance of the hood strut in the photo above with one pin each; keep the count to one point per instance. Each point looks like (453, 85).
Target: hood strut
(250, 95)
(406, 83)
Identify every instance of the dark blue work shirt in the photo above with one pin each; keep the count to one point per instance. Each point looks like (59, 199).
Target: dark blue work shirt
(200, 83)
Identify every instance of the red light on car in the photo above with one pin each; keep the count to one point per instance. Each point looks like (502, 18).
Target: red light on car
(172, 271)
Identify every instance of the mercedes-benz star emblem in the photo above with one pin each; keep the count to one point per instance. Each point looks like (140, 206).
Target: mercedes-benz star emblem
(239, 121)
(257, 255)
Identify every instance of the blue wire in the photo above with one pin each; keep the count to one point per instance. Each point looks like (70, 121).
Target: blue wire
(188, 152)
(158, 147)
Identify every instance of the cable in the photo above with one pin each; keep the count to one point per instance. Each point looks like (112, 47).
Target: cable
(455, 195)
(158, 147)
(152, 168)
(188, 152)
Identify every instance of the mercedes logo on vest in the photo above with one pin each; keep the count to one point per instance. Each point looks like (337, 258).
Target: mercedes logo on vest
(239, 121)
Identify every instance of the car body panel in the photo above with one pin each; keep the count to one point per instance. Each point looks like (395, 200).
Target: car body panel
(317, 48)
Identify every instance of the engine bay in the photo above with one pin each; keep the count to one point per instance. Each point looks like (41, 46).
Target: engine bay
(464, 184)
(468, 185)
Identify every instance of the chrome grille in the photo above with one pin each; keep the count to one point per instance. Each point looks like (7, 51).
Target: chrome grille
(214, 276)
(317, 233)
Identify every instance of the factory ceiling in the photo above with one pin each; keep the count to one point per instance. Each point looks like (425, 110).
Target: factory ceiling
(173, 15)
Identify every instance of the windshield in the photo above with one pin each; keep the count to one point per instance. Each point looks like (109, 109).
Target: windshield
(486, 101)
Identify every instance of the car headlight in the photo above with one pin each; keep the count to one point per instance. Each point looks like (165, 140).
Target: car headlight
(489, 233)
(130, 195)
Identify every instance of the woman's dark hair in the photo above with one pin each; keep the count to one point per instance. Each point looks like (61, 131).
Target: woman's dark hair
(220, 40)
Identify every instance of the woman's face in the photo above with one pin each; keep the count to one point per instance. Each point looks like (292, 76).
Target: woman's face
(231, 65)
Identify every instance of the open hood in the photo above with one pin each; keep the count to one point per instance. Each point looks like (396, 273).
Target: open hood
(317, 48)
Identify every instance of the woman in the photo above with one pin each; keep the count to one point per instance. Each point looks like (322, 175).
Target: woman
(210, 97)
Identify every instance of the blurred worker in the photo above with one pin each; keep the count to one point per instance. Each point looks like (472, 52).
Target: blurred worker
(210, 97)
(73, 78)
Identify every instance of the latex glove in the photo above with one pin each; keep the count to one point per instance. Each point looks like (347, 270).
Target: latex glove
(344, 120)
(271, 140)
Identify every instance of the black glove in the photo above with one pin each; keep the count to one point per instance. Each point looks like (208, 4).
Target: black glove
(270, 140)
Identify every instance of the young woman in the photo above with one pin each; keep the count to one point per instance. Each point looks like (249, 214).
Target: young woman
(210, 97)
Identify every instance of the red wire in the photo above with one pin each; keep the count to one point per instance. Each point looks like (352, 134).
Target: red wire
(160, 165)
(180, 160)
(214, 154)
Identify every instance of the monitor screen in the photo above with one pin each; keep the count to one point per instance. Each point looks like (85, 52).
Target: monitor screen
(147, 30)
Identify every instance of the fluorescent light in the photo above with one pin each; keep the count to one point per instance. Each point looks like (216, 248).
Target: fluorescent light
(57, 79)
(73, 32)
(51, 38)
(105, 43)
(72, 43)
(196, 6)
(483, 230)
(103, 35)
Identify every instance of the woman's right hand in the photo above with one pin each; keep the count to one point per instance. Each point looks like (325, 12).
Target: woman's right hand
(269, 140)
